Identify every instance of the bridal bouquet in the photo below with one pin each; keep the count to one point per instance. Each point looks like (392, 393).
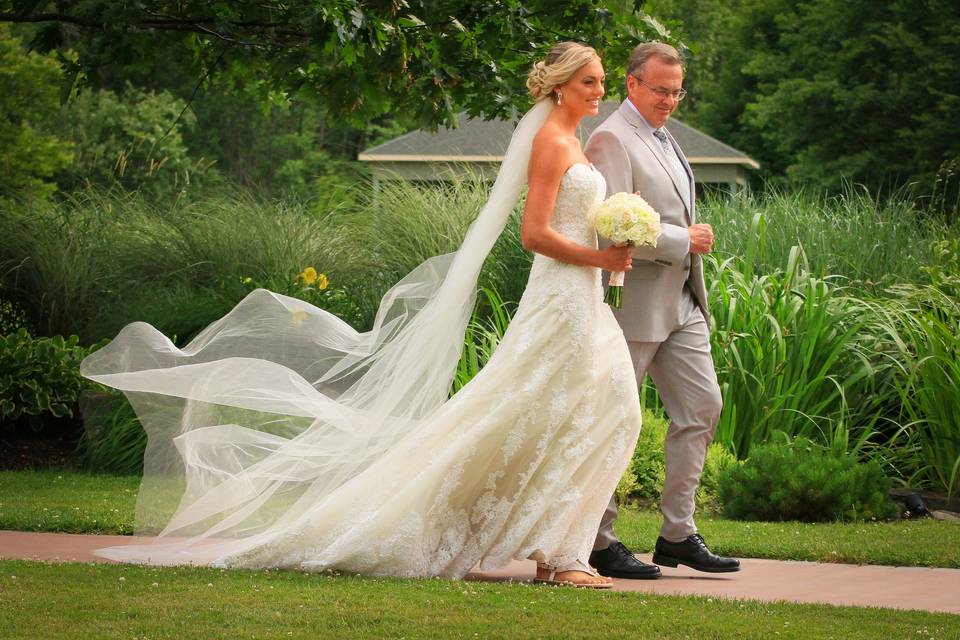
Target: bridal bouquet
(625, 219)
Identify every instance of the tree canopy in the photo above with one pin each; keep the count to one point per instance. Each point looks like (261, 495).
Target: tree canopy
(823, 92)
(360, 59)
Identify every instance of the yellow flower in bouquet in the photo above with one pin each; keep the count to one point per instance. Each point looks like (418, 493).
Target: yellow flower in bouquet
(625, 219)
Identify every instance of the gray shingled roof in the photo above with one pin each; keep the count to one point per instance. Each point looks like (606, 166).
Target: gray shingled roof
(478, 140)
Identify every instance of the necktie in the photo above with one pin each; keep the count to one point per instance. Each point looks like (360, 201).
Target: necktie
(674, 161)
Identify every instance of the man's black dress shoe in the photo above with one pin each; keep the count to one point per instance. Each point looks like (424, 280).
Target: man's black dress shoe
(694, 553)
(616, 561)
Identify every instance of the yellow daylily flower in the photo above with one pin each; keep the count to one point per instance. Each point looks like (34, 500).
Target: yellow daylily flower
(308, 275)
(323, 281)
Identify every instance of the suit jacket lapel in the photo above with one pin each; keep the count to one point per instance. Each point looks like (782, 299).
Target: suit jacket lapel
(642, 131)
(692, 212)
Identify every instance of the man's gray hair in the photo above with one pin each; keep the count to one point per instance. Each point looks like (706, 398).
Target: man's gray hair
(643, 52)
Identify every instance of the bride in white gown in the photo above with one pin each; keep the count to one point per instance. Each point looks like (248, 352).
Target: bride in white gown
(281, 437)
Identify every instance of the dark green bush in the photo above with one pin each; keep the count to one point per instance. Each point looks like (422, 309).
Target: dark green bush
(113, 440)
(133, 139)
(799, 480)
(642, 483)
(12, 317)
(39, 379)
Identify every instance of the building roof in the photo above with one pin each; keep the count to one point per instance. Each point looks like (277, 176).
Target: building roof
(478, 140)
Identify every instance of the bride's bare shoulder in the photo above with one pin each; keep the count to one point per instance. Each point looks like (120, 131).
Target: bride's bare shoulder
(550, 146)
(550, 135)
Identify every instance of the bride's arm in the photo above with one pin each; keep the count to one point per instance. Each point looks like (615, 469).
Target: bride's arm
(549, 160)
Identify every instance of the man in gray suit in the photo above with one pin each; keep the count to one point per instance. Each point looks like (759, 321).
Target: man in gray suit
(664, 315)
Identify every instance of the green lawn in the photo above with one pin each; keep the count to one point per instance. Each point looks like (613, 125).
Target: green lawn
(917, 543)
(39, 600)
(76, 503)
(67, 501)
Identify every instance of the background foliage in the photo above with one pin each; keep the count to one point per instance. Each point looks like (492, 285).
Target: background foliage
(824, 93)
(799, 480)
(161, 160)
(29, 86)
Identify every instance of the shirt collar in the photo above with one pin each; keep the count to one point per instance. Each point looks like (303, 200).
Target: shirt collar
(639, 115)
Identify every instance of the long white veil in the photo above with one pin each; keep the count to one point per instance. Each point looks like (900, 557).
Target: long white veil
(277, 404)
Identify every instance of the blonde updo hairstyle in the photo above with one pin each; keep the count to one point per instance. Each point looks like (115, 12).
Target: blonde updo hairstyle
(561, 63)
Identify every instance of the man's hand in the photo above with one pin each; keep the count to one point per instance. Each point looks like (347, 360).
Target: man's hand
(701, 238)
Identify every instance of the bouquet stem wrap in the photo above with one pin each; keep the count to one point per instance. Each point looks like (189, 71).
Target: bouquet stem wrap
(614, 293)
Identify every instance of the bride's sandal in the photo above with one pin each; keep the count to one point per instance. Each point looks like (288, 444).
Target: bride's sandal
(595, 581)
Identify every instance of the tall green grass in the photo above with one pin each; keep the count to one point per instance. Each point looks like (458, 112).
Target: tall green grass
(99, 260)
(484, 332)
(927, 382)
(788, 357)
(835, 318)
(852, 235)
(113, 440)
(873, 375)
(398, 225)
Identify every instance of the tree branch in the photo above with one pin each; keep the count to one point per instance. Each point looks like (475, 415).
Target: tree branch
(48, 17)
(165, 23)
(193, 95)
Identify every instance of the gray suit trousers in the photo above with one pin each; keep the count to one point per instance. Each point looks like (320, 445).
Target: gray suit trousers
(682, 370)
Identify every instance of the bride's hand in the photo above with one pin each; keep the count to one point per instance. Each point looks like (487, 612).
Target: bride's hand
(617, 258)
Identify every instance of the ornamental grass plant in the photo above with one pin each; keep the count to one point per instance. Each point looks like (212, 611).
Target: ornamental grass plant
(835, 319)
(788, 356)
(868, 241)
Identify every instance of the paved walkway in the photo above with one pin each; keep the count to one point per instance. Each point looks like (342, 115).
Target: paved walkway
(765, 580)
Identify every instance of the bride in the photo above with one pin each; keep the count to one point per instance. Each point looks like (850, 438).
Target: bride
(281, 437)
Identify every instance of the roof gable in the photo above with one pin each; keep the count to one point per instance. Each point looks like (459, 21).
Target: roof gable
(486, 140)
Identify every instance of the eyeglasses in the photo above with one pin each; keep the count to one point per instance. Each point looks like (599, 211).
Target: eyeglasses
(662, 93)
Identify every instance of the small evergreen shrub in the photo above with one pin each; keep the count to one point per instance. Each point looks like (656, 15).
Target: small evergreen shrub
(12, 317)
(718, 459)
(39, 379)
(799, 480)
(642, 482)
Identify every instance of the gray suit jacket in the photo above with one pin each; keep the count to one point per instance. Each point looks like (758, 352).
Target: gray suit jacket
(624, 150)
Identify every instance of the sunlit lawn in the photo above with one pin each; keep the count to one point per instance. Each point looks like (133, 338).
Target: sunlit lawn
(40, 600)
(78, 503)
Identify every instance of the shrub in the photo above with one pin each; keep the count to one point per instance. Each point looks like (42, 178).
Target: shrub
(718, 459)
(113, 440)
(39, 379)
(642, 482)
(645, 473)
(12, 317)
(799, 480)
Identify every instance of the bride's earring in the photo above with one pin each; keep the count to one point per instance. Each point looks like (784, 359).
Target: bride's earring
(559, 98)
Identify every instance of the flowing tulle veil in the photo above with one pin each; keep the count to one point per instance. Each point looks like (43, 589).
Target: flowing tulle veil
(277, 404)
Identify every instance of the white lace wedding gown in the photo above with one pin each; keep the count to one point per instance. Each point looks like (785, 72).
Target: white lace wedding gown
(520, 463)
